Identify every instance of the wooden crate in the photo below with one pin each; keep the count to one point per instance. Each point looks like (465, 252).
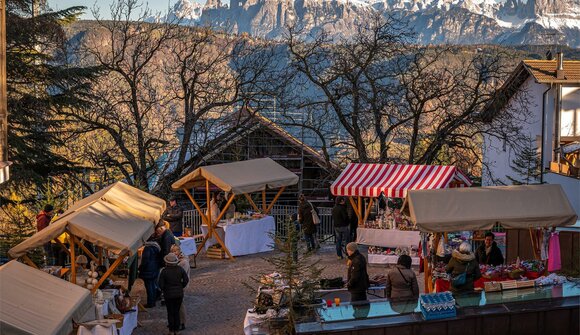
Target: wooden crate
(492, 286)
(525, 283)
(508, 284)
(216, 253)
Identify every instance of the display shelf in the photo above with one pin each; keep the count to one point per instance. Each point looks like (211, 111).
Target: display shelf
(389, 259)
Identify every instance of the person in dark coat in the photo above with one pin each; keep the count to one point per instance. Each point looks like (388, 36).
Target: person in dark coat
(149, 270)
(463, 261)
(174, 215)
(165, 239)
(305, 218)
(401, 281)
(489, 253)
(172, 280)
(341, 225)
(358, 278)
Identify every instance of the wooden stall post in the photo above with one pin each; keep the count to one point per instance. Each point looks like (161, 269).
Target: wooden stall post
(359, 206)
(208, 200)
(110, 270)
(355, 208)
(251, 201)
(73, 263)
(87, 251)
(368, 210)
(275, 199)
(29, 261)
(264, 200)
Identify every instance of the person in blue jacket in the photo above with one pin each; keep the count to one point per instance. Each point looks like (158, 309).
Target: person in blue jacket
(149, 270)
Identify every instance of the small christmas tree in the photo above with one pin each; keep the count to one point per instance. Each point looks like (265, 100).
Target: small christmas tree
(527, 165)
(298, 273)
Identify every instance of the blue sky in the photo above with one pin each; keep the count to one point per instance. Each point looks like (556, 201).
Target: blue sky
(155, 5)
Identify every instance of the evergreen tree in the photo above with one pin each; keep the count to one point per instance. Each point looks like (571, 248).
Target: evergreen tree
(526, 165)
(299, 273)
(40, 84)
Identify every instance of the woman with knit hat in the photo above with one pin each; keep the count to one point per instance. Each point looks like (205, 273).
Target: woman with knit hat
(172, 281)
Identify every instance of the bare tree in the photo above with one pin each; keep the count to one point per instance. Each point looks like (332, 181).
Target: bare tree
(399, 102)
(129, 108)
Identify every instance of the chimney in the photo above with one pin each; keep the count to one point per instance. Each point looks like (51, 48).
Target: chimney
(560, 68)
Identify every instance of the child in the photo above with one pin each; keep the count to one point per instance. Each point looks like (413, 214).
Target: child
(184, 264)
(172, 281)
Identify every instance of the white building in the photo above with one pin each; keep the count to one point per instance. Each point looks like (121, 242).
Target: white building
(549, 92)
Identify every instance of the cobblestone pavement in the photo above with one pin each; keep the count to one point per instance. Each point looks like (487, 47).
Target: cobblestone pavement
(216, 299)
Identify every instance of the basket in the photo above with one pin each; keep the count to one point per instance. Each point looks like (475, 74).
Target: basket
(516, 274)
(445, 306)
(532, 274)
(441, 314)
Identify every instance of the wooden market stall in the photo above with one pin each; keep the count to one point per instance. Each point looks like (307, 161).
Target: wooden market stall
(364, 180)
(238, 178)
(481, 208)
(35, 302)
(118, 219)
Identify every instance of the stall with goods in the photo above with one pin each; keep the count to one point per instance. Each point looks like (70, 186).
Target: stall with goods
(238, 235)
(436, 212)
(109, 226)
(390, 233)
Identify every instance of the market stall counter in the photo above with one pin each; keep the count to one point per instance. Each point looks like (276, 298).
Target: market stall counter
(550, 309)
(245, 238)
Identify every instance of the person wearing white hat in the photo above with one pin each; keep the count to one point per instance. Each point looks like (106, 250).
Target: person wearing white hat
(172, 281)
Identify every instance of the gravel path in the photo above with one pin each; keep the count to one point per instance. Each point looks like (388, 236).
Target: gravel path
(216, 299)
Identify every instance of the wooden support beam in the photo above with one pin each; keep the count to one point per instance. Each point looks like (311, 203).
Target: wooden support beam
(275, 199)
(533, 240)
(354, 208)
(251, 201)
(264, 201)
(426, 271)
(359, 204)
(223, 212)
(63, 247)
(368, 210)
(208, 200)
(87, 251)
(29, 261)
(196, 205)
(73, 261)
(110, 270)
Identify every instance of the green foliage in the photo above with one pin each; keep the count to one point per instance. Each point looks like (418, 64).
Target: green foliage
(298, 271)
(40, 84)
(526, 165)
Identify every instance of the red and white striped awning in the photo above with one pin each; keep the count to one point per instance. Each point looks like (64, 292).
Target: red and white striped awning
(370, 180)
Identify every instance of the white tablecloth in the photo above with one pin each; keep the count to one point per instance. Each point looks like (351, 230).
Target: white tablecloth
(388, 259)
(252, 319)
(245, 238)
(129, 322)
(187, 245)
(98, 327)
(387, 237)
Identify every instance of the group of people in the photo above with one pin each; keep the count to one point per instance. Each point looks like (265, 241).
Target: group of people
(165, 273)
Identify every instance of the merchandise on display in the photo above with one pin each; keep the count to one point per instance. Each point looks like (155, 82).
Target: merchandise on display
(437, 305)
(410, 251)
(390, 219)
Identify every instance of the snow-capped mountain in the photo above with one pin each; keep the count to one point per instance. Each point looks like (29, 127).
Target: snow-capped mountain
(434, 21)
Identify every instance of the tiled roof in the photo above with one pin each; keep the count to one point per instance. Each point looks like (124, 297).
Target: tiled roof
(544, 71)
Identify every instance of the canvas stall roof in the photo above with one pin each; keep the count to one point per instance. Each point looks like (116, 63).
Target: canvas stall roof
(128, 198)
(394, 180)
(480, 208)
(35, 302)
(240, 177)
(100, 223)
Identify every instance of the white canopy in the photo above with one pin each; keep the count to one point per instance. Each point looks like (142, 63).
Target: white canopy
(480, 208)
(100, 223)
(240, 177)
(35, 302)
(127, 198)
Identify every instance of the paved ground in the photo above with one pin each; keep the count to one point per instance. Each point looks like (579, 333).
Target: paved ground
(216, 299)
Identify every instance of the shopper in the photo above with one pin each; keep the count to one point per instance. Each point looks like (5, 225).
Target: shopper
(149, 270)
(214, 205)
(165, 238)
(172, 280)
(401, 280)
(341, 225)
(305, 209)
(358, 278)
(184, 264)
(174, 215)
(489, 253)
(463, 268)
(42, 221)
